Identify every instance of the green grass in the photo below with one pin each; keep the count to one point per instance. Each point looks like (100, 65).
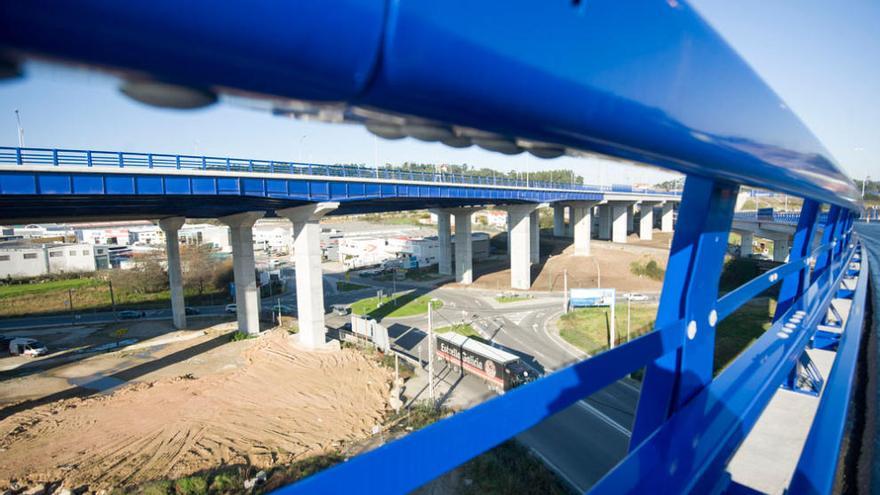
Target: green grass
(511, 298)
(588, 328)
(462, 329)
(89, 295)
(16, 290)
(343, 286)
(239, 336)
(741, 329)
(650, 269)
(510, 468)
(401, 305)
(230, 479)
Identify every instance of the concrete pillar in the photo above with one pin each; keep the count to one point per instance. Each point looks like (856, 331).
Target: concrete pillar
(444, 236)
(781, 247)
(535, 237)
(464, 263)
(605, 221)
(558, 220)
(745, 248)
(646, 221)
(309, 277)
(666, 217)
(630, 218)
(520, 233)
(175, 277)
(247, 295)
(618, 222)
(583, 224)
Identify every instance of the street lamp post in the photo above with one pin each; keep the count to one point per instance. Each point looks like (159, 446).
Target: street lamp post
(431, 350)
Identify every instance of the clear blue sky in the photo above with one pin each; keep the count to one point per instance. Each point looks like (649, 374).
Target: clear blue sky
(820, 57)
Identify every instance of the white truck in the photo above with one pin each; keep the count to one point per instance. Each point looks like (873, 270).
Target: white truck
(23, 346)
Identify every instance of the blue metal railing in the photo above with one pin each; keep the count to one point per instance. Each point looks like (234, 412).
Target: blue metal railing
(122, 159)
(789, 217)
(700, 434)
(455, 63)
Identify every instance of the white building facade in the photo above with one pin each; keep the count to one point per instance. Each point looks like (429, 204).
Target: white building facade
(23, 261)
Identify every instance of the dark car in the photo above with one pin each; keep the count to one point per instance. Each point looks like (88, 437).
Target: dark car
(191, 311)
(131, 315)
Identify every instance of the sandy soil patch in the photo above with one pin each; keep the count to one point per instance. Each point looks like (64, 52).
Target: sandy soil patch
(283, 405)
(609, 261)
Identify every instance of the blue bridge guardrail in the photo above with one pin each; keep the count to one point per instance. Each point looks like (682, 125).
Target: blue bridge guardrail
(789, 217)
(705, 114)
(91, 158)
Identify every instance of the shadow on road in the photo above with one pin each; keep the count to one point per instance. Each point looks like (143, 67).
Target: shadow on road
(120, 377)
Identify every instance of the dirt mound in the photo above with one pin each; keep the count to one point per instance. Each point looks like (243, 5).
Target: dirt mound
(283, 405)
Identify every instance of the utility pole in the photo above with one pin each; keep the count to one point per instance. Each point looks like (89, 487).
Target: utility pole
(612, 337)
(565, 291)
(21, 133)
(628, 301)
(863, 182)
(70, 302)
(431, 351)
(112, 299)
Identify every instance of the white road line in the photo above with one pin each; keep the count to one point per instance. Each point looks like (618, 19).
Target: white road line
(559, 472)
(564, 347)
(599, 414)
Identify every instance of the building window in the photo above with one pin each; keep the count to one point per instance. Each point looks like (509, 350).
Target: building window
(73, 253)
(4, 257)
(54, 254)
(30, 256)
(85, 252)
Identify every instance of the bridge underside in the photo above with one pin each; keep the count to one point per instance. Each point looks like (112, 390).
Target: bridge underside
(70, 208)
(38, 195)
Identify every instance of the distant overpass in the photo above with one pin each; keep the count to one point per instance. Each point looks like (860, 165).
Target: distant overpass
(85, 185)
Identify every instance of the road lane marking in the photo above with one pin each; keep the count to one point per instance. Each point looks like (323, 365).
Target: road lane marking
(559, 472)
(599, 414)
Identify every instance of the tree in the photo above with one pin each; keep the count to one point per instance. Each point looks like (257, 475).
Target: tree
(197, 266)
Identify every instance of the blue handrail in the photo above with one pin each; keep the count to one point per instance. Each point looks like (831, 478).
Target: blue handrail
(93, 158)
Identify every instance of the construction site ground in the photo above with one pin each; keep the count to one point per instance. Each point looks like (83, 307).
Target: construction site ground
(194, 401)
(607, 266)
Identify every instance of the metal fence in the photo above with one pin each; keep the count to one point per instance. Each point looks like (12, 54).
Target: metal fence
(90, 158)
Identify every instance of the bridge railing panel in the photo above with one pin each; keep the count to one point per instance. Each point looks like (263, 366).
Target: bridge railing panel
(701, 433)
(89, 158)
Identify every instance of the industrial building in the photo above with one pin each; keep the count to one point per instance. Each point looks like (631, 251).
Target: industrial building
(26, 260)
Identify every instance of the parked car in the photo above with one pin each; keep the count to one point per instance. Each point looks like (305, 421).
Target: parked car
(285, 309)
(130, 314)
(27, 347)
(341, 309)
(191, 311)
(231, 308)
(638, 297)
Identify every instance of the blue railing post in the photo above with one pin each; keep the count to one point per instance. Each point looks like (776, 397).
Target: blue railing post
(89, 158)
(690, 293)
(121, 160)
(828, 236)
(150, 160)
(18, 156)
(55, 157)
(793, 285)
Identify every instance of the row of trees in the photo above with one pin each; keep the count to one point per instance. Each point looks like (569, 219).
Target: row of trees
(202, 273)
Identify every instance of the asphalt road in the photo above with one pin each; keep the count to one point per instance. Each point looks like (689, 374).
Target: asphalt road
(582, 442)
